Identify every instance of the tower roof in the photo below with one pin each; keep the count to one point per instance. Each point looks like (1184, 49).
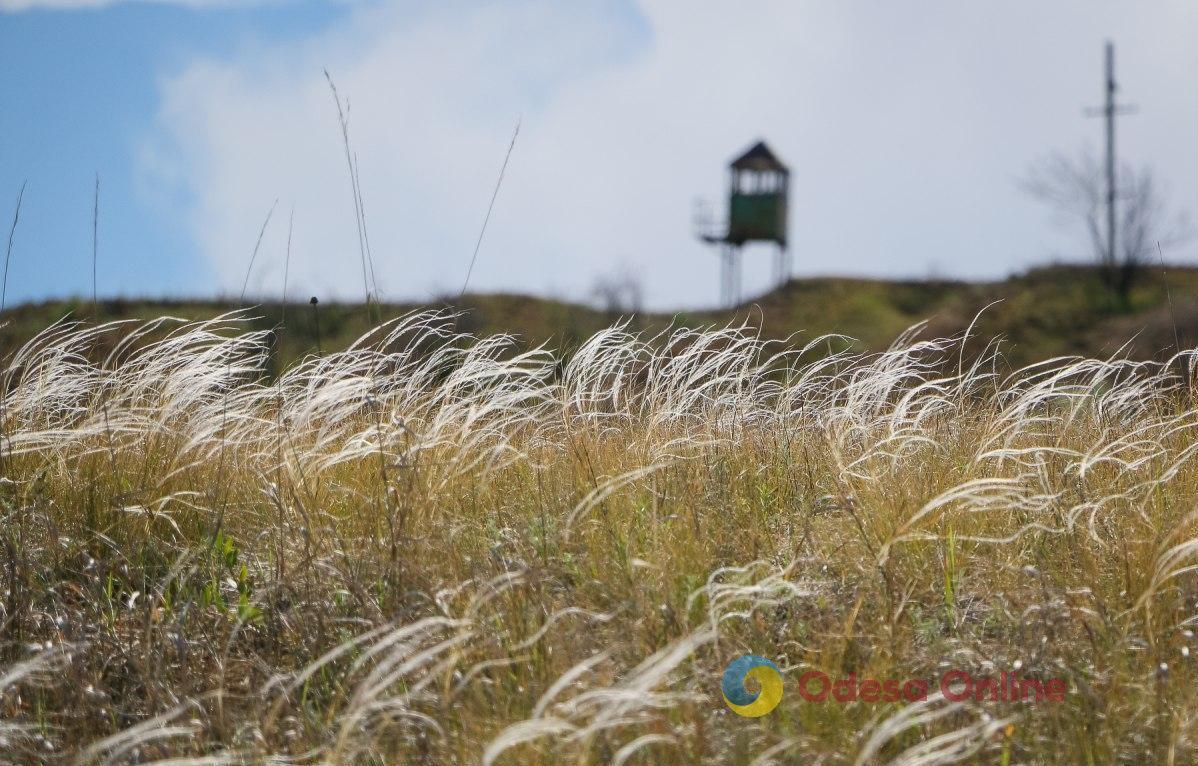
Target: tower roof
(759, 157)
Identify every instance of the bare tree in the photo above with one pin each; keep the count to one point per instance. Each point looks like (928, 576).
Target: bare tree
(1076, 188)
(619, 292)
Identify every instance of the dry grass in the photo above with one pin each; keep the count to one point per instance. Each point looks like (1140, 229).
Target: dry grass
(437, 549)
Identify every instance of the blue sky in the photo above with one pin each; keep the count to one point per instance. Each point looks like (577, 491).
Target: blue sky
(81, 89)
(906, 125)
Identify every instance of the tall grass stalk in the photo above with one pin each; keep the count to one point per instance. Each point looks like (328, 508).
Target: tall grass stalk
(433, 547)
(356, 190)
(490, 207)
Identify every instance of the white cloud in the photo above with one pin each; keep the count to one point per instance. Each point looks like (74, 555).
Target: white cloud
(904, 129)
(26, 5)
(13, 6)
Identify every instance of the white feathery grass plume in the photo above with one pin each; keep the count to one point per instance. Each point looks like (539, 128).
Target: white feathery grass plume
(766, 757)
(738, 592)
(41, 668)
(524, 731)
(632, 701)
(415, 403)
(163, 726)
(631, 748)
(950, 747)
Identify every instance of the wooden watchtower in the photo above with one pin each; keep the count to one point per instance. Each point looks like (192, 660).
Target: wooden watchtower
(758, 189)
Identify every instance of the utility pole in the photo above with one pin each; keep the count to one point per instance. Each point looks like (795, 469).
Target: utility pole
(1110, 152)
(1109, 111)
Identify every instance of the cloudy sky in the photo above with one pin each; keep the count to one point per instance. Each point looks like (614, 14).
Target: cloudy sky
(906, 125)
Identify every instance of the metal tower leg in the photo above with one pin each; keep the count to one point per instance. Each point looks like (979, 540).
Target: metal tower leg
(781, 266)
(730, 278)
(734, 261)
(725, 275)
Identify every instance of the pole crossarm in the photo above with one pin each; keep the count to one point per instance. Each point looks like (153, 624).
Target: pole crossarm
(1109, 111)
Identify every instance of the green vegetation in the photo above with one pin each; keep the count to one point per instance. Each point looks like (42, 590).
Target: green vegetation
(1047, 312)
(440, 548)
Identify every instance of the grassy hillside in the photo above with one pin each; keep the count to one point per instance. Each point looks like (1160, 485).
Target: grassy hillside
(488, 560)
(1047, 312)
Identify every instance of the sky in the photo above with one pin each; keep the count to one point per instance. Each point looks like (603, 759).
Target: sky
(906, 126)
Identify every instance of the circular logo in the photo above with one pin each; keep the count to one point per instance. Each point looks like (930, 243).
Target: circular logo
(769, 682)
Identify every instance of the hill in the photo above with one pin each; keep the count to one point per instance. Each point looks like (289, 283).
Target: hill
(480, 559)
(1046, 312)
